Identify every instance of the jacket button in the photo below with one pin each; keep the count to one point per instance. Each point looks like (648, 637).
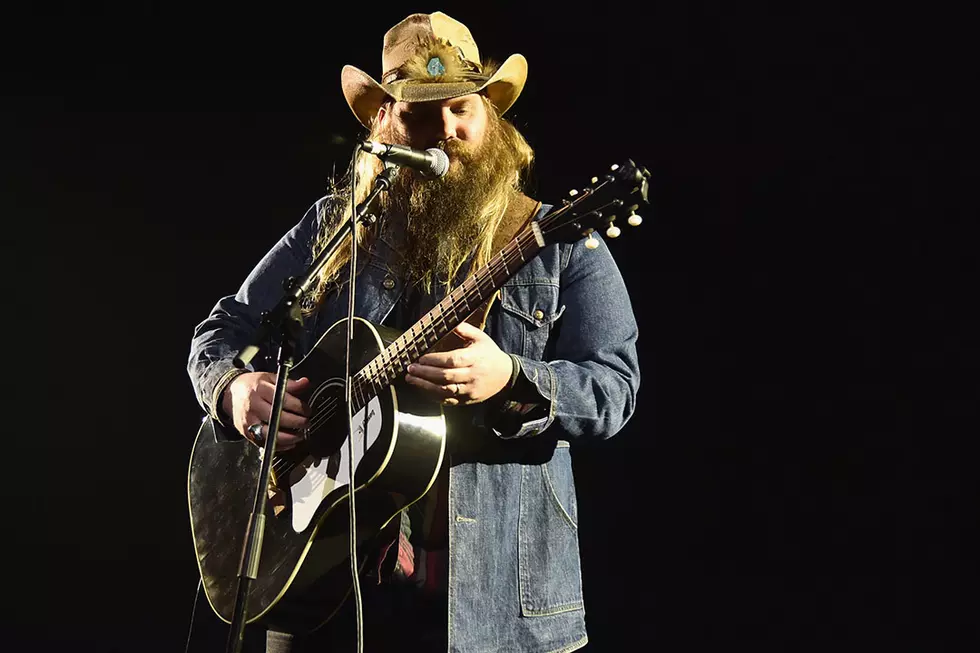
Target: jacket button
(388, 283)
(539, 314)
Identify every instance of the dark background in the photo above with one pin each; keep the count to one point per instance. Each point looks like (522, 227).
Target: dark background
(800, 472)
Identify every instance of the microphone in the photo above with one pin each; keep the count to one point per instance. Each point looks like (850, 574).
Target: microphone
(431, 163)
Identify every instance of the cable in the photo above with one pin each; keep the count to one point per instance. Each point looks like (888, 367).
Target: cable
(350, 417)
(190, 629)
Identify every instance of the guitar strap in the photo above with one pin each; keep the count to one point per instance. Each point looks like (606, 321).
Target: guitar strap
(520, 212)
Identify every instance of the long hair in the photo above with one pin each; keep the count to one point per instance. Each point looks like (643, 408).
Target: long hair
(488, 216)
(335, 212)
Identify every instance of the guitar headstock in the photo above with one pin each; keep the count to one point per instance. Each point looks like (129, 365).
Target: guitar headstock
(616, 195)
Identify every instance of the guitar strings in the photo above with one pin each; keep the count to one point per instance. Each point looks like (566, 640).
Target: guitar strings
(287, 466)
(402, 347)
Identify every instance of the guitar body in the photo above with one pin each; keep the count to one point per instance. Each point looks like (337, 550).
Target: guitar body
(304, 569)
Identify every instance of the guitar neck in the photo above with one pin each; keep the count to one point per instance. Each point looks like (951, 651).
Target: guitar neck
(449, 313)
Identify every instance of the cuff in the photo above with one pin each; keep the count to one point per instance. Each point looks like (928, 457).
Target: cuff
(219, 375)
(527, 406)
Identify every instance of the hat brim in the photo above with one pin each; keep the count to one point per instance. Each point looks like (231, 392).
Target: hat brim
(364, 95)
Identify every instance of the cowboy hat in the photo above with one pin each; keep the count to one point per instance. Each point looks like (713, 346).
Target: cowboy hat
(431, 57)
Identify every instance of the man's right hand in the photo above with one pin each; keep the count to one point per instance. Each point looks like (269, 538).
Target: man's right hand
(248, 400)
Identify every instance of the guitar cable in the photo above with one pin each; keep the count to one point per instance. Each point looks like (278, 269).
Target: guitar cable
(190, 628)
(348, 396)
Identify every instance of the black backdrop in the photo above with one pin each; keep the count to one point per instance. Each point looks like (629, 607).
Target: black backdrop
(799, 474)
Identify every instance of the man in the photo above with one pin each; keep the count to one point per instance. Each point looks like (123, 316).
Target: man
(488, 560)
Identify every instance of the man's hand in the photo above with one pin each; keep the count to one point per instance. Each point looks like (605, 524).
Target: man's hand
(248, 400)
(468, 375)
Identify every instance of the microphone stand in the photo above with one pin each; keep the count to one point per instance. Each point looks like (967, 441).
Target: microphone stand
(285, 321)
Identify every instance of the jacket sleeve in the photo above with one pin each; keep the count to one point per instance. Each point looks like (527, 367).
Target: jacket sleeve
(588, 388)
(235, 318)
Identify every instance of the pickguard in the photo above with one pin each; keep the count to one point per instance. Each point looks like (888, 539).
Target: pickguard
(315, 478)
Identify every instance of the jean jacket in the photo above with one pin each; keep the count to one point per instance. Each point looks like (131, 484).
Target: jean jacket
(514, 567)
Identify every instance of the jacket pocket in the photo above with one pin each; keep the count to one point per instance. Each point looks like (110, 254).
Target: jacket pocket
(549, 565)
(531, 310)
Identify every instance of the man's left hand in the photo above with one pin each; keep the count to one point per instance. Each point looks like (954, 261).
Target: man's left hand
(469, 375)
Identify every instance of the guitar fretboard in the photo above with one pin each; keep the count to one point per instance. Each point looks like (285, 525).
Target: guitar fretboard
(449, 313)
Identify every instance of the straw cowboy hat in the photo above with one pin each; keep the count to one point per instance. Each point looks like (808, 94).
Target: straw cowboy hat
(431, 57)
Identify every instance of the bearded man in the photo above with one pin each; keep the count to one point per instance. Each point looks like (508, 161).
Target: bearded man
(488, 560)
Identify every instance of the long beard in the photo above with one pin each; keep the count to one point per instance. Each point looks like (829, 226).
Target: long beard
(445, 219)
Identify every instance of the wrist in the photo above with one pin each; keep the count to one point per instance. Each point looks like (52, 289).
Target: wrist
(501, 395)
(225, 405)
(515, 370)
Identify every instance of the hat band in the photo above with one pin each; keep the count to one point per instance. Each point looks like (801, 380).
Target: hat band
(474, 75)
(413, 91)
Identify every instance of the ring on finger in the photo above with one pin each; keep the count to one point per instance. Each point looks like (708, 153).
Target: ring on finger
(255, 430)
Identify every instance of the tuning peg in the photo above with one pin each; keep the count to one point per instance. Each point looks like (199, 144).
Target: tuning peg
(572, 193)
(612, 231)
(591, 242)
(595, 180)
(614, 167)
(634, 220)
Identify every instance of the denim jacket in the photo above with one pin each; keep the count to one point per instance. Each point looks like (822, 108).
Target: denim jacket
(514, 566)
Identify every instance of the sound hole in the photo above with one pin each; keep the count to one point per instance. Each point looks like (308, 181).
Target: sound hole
(328, 430)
